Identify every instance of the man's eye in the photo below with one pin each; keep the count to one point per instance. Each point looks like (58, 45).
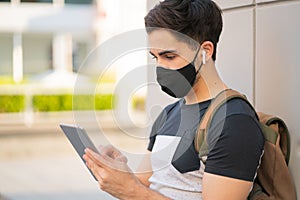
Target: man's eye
(154, 57)
(170, 57)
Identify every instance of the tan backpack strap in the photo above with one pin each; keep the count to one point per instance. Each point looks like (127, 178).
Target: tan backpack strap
(200, 142)
(217, 102)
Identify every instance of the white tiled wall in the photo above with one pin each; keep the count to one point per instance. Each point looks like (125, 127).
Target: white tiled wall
(278, 69)
(235, 50)
(264, 1)
(224, 4)
(272, 81)
(259, 55)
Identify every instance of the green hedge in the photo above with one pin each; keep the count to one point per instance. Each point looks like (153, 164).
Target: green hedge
(12, 103)
(70, 102)
(66, 102)
(139, 103)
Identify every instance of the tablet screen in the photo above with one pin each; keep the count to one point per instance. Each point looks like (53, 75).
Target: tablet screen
(79, 139)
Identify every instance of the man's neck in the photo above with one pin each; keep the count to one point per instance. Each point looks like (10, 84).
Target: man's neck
(207, 86)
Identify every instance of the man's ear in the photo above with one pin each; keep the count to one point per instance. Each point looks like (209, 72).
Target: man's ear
(208, 47)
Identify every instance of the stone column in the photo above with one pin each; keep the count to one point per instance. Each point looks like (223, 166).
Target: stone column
(62, 52)
(17, 58)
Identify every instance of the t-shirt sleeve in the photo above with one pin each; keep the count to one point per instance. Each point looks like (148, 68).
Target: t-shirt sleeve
(151, 140)
(236, 152)
(158, 123)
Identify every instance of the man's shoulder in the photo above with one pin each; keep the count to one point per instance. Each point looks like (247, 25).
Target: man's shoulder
(173, 105)
(237, 106)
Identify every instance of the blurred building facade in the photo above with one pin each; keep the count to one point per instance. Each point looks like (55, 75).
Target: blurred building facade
(257, 55)
(38, 36)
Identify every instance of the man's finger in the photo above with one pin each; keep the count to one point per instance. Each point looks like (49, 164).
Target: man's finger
(106, 162)
(122, 158)
(107, 150)
(95, 169)
(113, 153)
(99, 159)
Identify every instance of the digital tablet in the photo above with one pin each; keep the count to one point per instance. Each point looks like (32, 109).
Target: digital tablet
(79, 139)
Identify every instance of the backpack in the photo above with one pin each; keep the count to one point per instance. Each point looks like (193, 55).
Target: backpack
(273, 181)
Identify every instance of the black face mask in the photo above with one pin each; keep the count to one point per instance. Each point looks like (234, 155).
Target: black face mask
(177, 83)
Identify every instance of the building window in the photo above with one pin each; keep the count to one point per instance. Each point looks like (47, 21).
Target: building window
(79, 1)
(6, 48)
(36, 1)
(37, 50)
(80, 51)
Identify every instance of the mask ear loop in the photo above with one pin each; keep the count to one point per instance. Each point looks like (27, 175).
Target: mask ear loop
(203, 60)
(196, 55)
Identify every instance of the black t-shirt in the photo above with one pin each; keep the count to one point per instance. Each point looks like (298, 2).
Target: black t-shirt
(235, 138)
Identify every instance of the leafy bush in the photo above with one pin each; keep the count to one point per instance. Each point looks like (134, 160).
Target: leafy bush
(104, 102)
(12, 103)
(47, 102)
(65, 102)
(70, 102)
(138, 103)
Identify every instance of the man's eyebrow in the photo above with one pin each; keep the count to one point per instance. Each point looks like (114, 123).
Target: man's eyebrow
(163, 52)
(151, 53)
(166, 52)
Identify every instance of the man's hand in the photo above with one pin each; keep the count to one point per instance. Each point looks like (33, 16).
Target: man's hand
(113, 153)
(114, 176)
(111, 170)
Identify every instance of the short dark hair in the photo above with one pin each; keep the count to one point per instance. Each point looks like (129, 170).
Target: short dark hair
(201, 20)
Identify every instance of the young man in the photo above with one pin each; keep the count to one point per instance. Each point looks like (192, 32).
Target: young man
(186, 70)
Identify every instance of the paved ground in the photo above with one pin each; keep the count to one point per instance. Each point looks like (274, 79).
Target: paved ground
(37, 162)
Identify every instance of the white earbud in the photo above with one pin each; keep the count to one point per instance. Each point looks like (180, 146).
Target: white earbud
(204, 57)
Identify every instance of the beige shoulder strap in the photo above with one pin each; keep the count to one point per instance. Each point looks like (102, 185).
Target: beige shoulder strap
(204, 125)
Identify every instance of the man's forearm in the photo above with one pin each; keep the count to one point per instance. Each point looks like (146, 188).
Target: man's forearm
(143, 192)
(144, 178)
